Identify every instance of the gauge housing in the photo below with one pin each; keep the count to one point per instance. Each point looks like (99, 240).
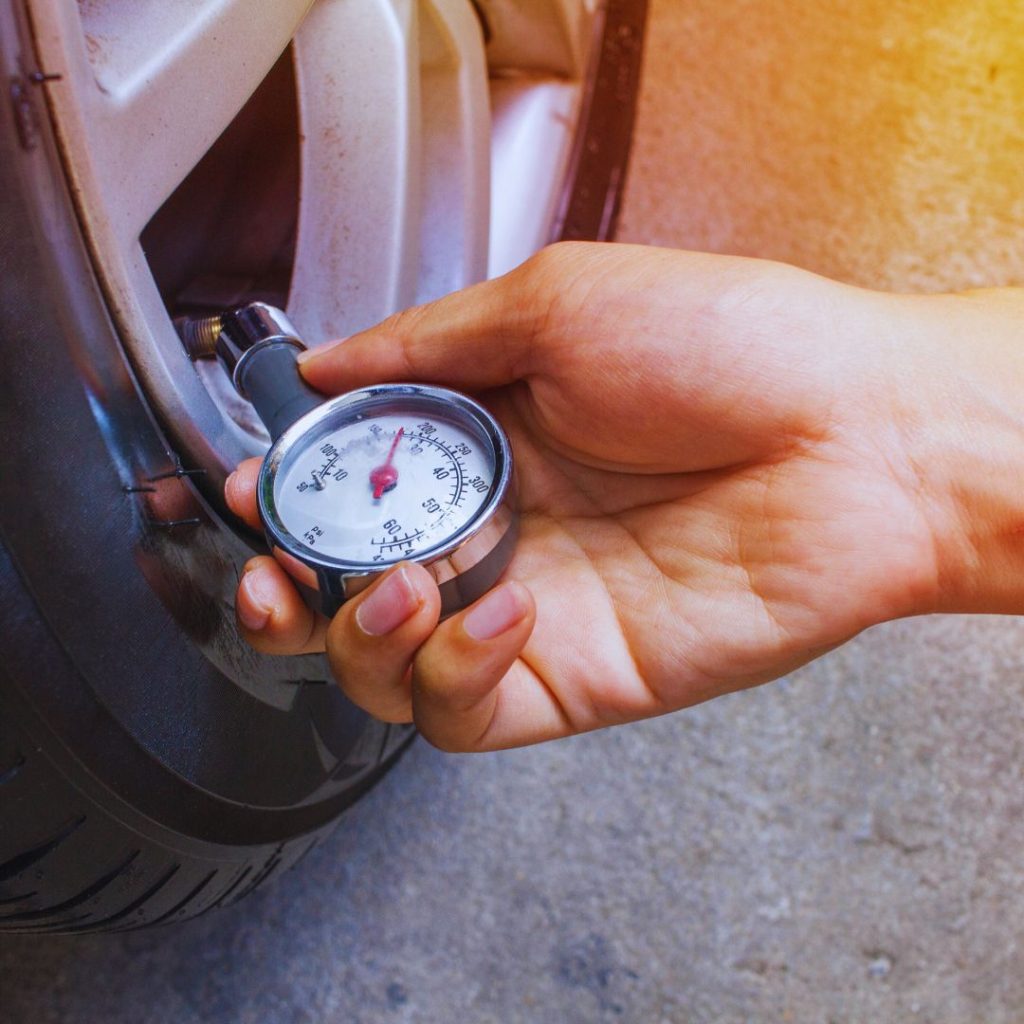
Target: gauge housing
(465, 565)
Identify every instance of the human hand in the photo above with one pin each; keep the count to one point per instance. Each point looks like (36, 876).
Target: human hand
(720, 479)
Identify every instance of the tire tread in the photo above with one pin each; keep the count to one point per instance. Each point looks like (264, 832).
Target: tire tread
(23, 861)
(58, 884)
(79, 898)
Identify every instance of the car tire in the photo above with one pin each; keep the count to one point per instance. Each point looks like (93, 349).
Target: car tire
(152, 767)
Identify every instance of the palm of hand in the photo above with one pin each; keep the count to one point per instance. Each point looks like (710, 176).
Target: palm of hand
(657, 591)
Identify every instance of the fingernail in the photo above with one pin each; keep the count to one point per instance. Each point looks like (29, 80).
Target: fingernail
(390, 604)
(499, 611)
(312, 354)
(255, 612)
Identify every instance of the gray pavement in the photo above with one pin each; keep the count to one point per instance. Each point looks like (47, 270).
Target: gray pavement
(844, 845)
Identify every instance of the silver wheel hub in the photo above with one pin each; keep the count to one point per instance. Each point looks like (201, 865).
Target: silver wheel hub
(413, 158)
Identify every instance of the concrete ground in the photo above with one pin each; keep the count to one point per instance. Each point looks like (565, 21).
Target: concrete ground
(844, 845)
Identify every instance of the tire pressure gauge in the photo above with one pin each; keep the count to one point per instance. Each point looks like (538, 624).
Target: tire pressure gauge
(354, 484)
(398, 471)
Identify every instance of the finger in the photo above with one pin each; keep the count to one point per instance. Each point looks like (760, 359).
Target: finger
(477, 338)
(467, 682)
(271, 614)
(240, 491)
(373, 639)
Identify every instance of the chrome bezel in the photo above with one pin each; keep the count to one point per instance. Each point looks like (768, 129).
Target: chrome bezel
(437, 401)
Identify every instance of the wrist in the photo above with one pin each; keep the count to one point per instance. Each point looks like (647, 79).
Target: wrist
(955, 392)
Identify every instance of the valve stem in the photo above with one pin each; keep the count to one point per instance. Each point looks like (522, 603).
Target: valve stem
(199, 335)
(257, 345)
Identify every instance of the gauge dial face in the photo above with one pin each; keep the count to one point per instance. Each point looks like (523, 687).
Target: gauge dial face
(381, 486)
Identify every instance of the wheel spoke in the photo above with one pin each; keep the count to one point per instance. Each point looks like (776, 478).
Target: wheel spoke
(357, 71)
(456, 118)
(148, 85)
(394, 203)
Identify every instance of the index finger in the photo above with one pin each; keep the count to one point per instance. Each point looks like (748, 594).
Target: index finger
(477, 338)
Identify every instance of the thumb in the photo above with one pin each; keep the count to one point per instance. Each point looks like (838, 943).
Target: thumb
(478, 338)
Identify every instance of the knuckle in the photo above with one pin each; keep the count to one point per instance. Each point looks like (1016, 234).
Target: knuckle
(548, 271)
(554, 258)
(435, 670)
(541, 274)
(554, 280)
(403, 327)
(398, 324)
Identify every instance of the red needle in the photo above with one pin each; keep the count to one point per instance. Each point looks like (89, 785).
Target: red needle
(383, 478)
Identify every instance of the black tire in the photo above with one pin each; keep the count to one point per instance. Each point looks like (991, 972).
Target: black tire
(81, 867)
(152, 767)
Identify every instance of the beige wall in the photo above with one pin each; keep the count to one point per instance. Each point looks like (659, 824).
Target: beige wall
(877, 141)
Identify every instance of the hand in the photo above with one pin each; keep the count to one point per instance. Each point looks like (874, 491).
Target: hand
(720, 477)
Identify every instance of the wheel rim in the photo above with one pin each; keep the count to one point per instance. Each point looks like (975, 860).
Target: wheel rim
(426, 158)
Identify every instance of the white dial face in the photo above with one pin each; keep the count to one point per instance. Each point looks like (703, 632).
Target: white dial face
(385, 487)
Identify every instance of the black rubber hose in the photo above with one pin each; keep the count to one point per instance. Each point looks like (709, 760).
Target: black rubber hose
(269, 377)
